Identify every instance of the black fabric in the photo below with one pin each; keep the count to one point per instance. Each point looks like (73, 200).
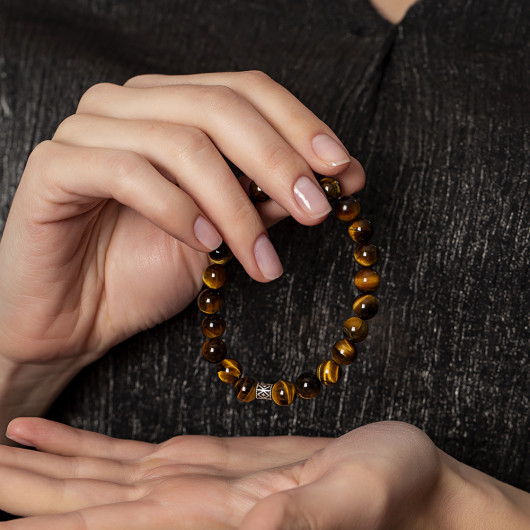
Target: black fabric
(435, 108)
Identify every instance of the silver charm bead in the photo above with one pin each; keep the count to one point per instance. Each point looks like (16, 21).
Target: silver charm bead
(264, 391)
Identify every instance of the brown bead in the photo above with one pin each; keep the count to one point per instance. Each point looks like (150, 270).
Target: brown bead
(365, 306)
(214, 350)
(229, 371)
(256, 193)
(245, 389)
(355, 329)
(367, 280)
(283, 393)
(360, 230)
(331, 187)
(308, 385)
(347, 208)
(366, 255)
(221, 255)
(344, 352)
(213, 326)
(214, 276)
(210, 301)
(329, 372)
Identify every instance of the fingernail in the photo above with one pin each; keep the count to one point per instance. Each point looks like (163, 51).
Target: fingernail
(20, 441)
(330, 151)
(206, 233)
(311, 198)
(268, 261)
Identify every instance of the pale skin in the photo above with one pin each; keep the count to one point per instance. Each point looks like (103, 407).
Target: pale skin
(125, 178)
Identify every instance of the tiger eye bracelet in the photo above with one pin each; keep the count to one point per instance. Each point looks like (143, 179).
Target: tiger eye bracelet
(355, 329)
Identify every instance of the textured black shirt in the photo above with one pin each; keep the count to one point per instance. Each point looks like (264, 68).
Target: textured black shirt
(435, 108)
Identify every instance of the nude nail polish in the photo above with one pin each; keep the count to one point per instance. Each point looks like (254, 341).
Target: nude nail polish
(311, 198)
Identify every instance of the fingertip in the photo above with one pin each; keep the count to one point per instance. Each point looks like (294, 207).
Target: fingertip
(267, 258)
(330, 152)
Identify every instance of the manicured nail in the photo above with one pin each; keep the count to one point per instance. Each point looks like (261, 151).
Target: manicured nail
(20, 441)
(206, 233)
(330, 151)
(311, 198)
(268, 261)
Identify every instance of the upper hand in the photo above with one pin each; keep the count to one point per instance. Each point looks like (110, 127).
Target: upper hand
(108, 230)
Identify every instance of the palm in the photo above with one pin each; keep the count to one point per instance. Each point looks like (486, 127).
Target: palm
(104, 274)
(381, 470)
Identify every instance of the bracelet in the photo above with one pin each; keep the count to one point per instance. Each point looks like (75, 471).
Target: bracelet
(355, 329)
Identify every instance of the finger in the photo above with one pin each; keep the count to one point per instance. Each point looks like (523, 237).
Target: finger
(74, 173)
(26, 493)
(187, 156)
(309, 136)
(236, 128)
(140, 515)
(55, 466)
(241, 454)
(61, 439)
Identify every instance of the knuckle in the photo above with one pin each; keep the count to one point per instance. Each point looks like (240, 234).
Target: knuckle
(124, 164)
(279, 155)
(218, 98)
(68, 127)
(93, 96)
(187, 142)
(255, 77)
(143, 80)
(41, 155)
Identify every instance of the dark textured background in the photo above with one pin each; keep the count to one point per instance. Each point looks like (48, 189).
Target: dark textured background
(437, 111)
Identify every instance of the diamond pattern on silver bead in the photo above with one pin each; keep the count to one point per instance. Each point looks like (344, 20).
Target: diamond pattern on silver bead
(264, 391)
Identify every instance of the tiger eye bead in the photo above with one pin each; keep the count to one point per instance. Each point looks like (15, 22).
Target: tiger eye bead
(213, 326)
(245, 389)
(347, 208)
(214, 276)
(355, 329)
(360, 230)
(308, 385)
(229, 371)
(210, 301)
(283, 393)
(365, 306)
(366, 255)
(331, 187)
(367, 280)
(221, 255)
(214, 350)
(329, 372)
(256, 193)
(343, 352)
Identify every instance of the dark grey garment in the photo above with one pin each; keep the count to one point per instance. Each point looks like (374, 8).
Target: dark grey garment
(436, 109)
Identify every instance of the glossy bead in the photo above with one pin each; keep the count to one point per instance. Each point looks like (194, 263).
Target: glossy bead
(347, 208)
(367, 280)
(343, 352)
(360, 230)
(329, 372)
(331, 187)
(229, 371)
(214, 350)
(283, 393)
(221, 255)
(214, 276)
(210, 301)
(365, 306)
(256, 193)
(355, 329)
(366, 255)
(213, 326)
(308, 386)
(245, 389)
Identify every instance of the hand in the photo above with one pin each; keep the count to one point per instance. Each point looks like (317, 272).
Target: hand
(108, 230)
(384, 475)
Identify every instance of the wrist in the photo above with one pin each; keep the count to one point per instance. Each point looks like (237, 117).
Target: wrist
(464, 497)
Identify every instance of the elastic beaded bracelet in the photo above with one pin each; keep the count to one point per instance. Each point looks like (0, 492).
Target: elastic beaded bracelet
(354, 329)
